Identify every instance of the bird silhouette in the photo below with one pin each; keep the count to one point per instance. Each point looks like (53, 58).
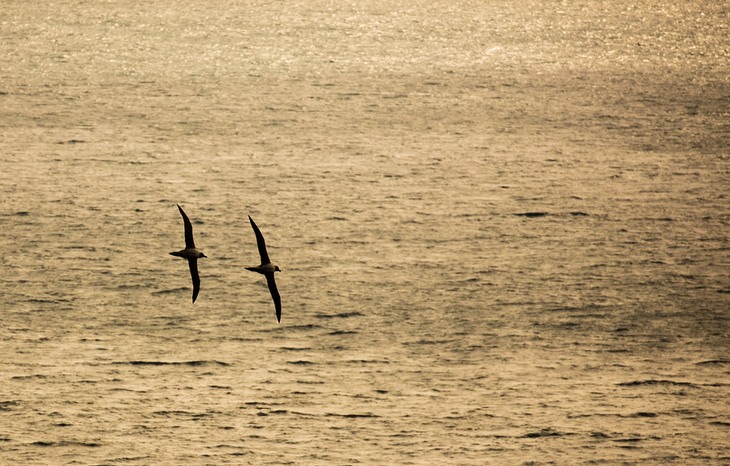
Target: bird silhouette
(266, 268)
(191, 253)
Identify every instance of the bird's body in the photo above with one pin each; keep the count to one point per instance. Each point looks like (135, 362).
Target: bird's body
(266, 268)
(191, 253)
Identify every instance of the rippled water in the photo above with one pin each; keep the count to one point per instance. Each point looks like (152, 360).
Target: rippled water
(503, 229)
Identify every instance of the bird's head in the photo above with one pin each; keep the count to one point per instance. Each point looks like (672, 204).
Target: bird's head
(277, 269)
(203, 255)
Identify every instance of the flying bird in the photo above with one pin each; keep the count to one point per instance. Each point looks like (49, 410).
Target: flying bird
(191, 253)
(266, 268)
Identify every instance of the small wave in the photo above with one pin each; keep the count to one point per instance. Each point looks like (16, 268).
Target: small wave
(272, 411)
(7, 405)
(643, 414)
(341, 315)
(66, 443)
(367, 361)
(72, 141)
(430, 342)
(130, 286)
(173, 363)
(634, 383)
(353, 415)
(45, 301)
(279, 411)
(629, 439)
(713, 362)
(178, 413)
(126, 389)
(169, 291)
(531, 214)
(124, 459)
(79, 246)
(549, 432)
(301, 327)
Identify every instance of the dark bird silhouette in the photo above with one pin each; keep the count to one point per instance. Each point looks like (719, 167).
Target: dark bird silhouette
(266, 268)
(191, 253)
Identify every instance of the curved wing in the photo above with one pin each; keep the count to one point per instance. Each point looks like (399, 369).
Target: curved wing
(261, 244)
(193, 263)
(189, 243)
(274, 294)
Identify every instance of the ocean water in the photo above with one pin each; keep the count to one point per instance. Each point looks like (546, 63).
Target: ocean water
(503, 229)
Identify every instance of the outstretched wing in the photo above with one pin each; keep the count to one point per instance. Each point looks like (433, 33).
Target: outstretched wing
(274, 294)
(189, 243)
(262, 246)
(193, 263)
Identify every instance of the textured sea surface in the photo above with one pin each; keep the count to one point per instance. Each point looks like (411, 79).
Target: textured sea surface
(504, 230)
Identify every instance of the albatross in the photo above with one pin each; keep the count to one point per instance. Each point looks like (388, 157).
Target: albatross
(191, 253)
(266, 268)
